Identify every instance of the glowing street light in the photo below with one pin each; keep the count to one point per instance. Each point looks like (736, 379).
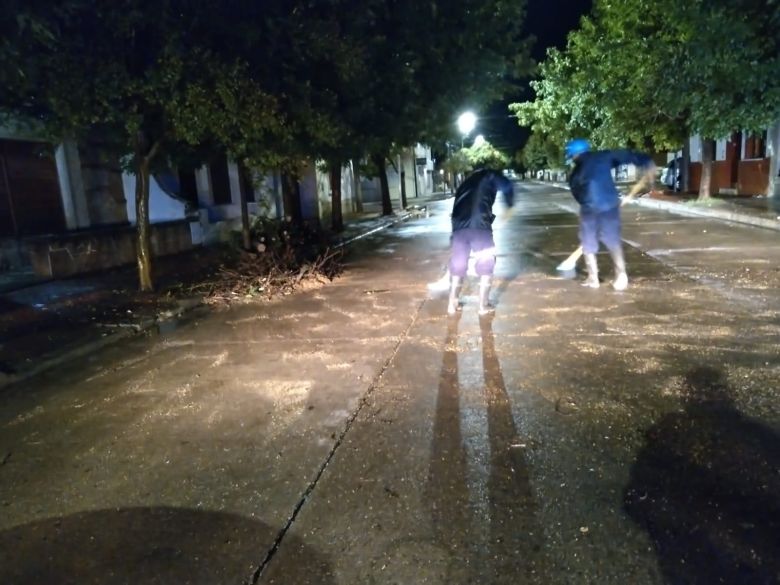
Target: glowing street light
(466, 123)
(479, 140)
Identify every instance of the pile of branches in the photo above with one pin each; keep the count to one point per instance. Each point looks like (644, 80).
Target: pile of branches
(283, 258)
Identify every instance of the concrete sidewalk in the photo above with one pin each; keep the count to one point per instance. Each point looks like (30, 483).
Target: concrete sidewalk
(756, 211)
(759, 211)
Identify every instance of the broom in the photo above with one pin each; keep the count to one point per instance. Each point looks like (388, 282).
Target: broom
(571, 262)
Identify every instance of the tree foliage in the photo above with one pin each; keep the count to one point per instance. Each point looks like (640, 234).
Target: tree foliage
(425, 62)
(541, 152)
(269, 83)
(649, 74)
(457, 163)
(153, 88)
(486, 155)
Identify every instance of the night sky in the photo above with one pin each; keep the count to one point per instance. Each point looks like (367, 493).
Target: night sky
(548, 21)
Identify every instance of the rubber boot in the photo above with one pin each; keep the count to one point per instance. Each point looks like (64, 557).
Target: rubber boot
(484, 296)
(621, 277)
(452, 306)
(593, 271)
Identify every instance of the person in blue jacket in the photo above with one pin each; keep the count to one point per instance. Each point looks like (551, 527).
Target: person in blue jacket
(472, 231)
(594, 189)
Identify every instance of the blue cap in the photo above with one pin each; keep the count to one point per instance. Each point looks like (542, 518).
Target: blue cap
(575, 147)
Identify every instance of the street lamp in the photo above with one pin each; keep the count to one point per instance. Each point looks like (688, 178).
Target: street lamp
(466, 123)
(479, 140)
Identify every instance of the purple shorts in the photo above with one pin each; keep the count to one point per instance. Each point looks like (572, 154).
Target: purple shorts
(604, 227)
(466, 241)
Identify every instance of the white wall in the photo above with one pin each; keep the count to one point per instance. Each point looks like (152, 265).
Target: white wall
(268, 196)
(162, 207)
(720, 149)
(324, 194)
(424, 172)
(74, 201)
(309, 188)
(695, 142)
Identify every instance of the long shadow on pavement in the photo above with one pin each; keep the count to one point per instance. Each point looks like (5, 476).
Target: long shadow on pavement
(514, 526)
(706, 488)
(512, 549)
(447, 489)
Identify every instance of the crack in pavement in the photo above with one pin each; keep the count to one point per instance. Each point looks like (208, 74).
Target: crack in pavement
(255, 578)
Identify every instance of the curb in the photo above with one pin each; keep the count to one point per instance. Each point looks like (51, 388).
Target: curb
(682, 209)
(403, 216)
(184, 306)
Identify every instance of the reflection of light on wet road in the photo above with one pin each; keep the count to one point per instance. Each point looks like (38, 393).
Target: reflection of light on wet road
(414, 230)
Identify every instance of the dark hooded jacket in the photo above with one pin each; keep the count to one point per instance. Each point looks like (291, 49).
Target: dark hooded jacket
(474, 199)
(591, 180)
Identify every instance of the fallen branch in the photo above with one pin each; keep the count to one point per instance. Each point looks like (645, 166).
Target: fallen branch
(266, 275)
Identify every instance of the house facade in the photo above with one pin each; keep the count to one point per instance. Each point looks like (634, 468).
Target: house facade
(746, 163)
(67, 209)
(412, 170)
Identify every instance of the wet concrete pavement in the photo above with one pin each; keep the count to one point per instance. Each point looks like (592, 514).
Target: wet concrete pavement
(356, 434)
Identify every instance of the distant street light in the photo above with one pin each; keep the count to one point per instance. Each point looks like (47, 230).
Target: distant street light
(479, 140)
(466, 123)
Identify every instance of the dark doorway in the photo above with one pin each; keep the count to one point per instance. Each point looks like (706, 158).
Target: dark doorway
(220, 181)
(188, 187)
(30, 200)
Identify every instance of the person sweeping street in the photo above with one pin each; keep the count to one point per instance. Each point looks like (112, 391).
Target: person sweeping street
(472, 233)
(594, 189)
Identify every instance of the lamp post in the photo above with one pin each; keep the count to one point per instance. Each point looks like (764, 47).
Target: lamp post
(466, 123)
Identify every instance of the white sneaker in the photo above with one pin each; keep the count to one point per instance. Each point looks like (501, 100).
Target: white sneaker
(591, 282)
(621, 282)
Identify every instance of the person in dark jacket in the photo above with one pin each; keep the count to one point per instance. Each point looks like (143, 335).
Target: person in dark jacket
(594, 189)
(472, 231)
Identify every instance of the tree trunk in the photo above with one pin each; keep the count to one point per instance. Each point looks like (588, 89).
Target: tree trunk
(336, 217)
(277, 191)
(403, 181)
(387, 205)
(246, 234)
(292, 198)
(773, 146)
(686, 166)
(358, 188)
(143, 242)
(707, 156)
(414, 170)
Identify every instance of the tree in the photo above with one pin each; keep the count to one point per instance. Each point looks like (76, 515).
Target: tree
(457, 164)
(652, 74)
(541, 152)
(152, 86)
(486, 155)
(422, 62)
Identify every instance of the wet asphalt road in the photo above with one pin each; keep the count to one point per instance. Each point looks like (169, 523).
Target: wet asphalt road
(356, 434)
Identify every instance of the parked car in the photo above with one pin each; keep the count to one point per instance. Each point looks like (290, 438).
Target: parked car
(672, 175)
